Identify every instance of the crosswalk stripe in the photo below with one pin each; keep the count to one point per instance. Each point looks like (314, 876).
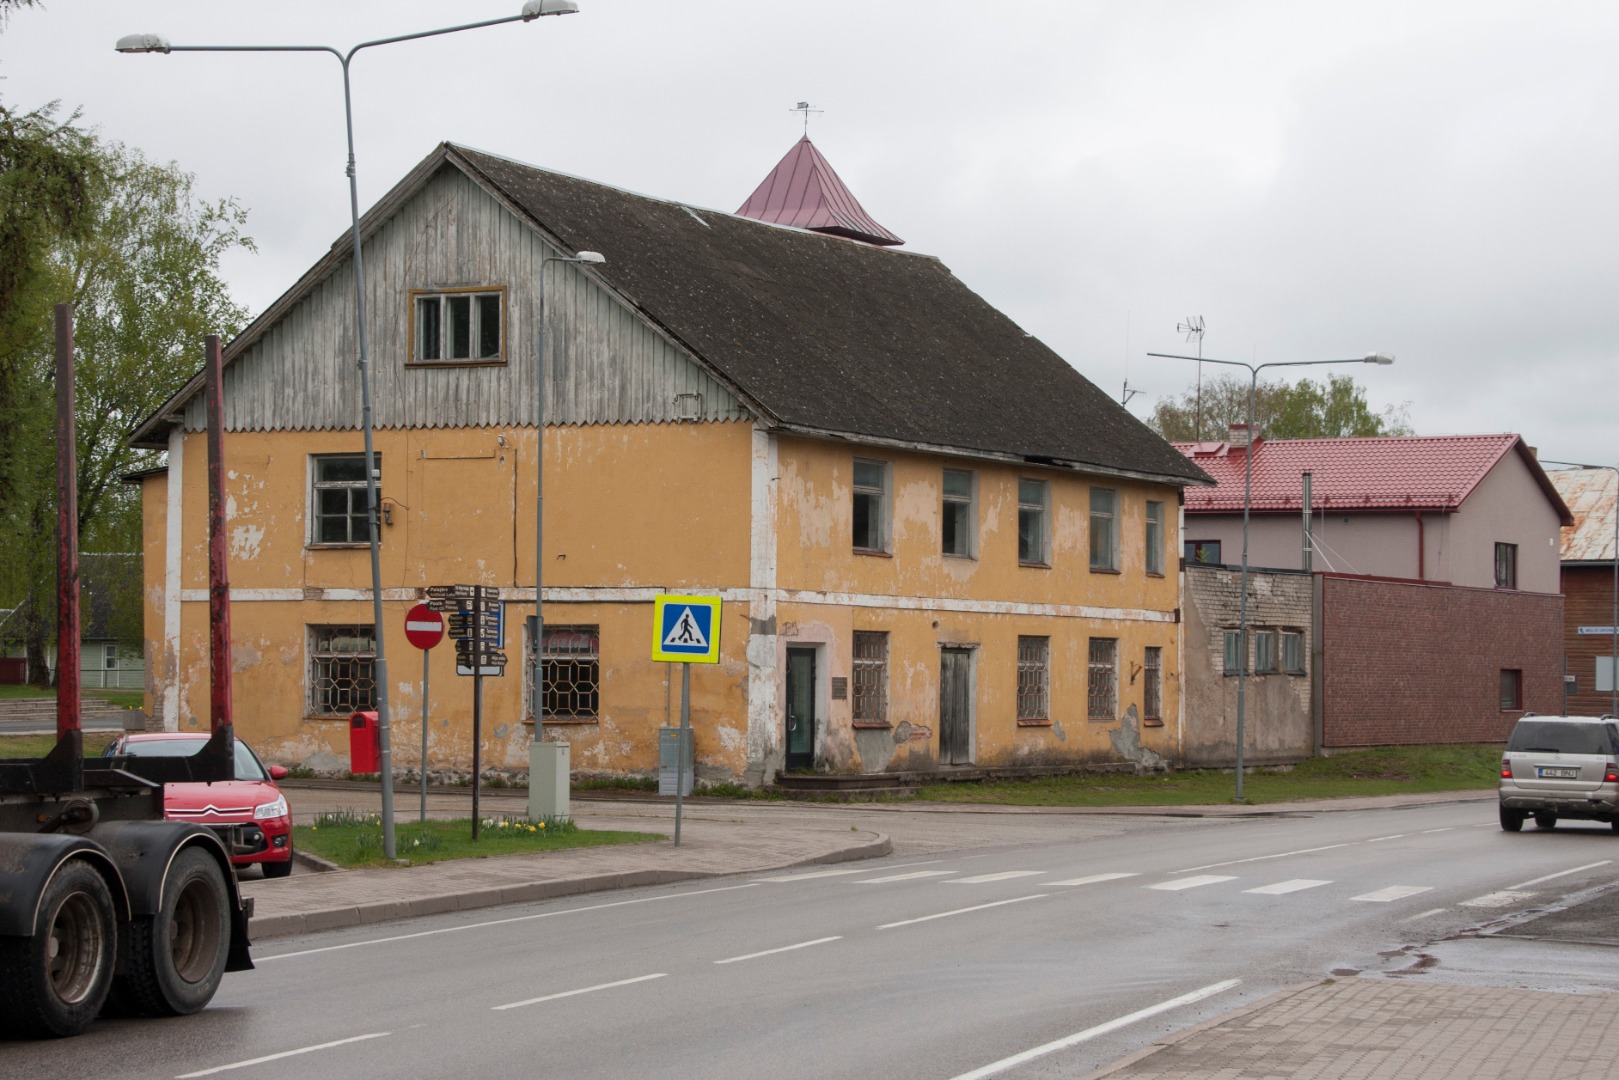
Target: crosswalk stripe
(1004, 875)
(1282, 887)
(1393, 892)
(1191, 882)
(816, 874)
(913, 875)
(1504, 898)
(1093, 879)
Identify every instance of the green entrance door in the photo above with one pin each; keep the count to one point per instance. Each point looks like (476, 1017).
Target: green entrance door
(800, 709)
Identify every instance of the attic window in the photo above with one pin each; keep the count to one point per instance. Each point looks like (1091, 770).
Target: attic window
(458, 326)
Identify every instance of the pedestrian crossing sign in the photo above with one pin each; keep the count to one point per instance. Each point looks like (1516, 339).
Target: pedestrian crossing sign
(686, 629)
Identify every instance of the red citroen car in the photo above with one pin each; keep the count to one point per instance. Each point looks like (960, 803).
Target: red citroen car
(249, 813)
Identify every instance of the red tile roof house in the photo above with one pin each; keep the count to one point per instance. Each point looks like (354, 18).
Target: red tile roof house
(1427, 609)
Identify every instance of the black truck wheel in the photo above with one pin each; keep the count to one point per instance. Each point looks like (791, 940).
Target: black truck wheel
(54, 983)
(177, 957)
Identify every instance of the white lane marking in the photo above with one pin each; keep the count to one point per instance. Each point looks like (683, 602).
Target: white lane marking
(1259, 858)
(1393, 892)
(1447, 828)
(1283, 887)
(903, 877)
(581, 990)
(1093, 879)
(1380, 839)
(1560, 873)
(1004, 875)
(784, 948)
(960, 911)
(817, 874)
(1504, 898)
(283, 1054)
(1191, 882)
(1430, 913)
(496, 922)
(1088, 1034)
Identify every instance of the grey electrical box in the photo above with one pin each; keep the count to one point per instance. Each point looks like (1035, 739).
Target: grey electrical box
(547, 780)
(674, 754)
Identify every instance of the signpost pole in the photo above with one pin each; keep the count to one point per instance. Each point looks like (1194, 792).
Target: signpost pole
(424, 735)
(477, 736)
(680, 748)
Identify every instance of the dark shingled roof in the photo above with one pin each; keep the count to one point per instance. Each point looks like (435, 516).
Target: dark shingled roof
(833, 336)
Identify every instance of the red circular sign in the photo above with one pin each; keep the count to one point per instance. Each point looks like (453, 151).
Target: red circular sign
(424, 627)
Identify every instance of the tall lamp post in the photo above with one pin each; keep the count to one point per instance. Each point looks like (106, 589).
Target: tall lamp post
(592, 258)
(1247, 496)
(1613, 623)
(154, 43)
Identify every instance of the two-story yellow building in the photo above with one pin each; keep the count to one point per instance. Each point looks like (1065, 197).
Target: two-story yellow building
(938, 545)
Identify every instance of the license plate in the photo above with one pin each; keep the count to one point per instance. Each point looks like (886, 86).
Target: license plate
(1557, 774)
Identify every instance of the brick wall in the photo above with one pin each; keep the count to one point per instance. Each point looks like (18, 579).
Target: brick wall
(1587, 601)
(1412, 663)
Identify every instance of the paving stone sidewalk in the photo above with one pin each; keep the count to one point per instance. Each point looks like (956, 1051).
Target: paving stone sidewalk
(1379, 1029)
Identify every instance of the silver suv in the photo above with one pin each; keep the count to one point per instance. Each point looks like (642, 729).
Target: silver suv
(1560, 767)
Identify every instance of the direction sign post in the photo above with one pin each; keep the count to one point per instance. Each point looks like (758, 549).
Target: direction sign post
(685, 631)
(424, 628)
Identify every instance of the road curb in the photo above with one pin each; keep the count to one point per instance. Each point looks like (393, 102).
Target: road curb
(347, 916)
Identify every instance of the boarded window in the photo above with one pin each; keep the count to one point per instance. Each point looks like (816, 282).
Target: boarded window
(870, 505)
(342, 670)
(1292, 652)
(870, 678)
(1155, 538)
(338, 498)
(1152, 686)
(957, 527)
(1032, 496)
(1104, 529)
(1235, 654)
(1265, 652)
(1033, 679)
(1103, 696)
(458, 326)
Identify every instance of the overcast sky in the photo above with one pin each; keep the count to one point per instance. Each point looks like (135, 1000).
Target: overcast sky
(1437, 180)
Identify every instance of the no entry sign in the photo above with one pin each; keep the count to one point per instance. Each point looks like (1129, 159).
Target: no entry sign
(424, 627)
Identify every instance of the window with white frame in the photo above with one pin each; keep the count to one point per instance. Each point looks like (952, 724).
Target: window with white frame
(571, 667)
(870, 505)
(338, 498)
(1104, 529)
(1155, 537)
(1152, 684)
(870, 678)
(957, 527)
(342, 670)
(1033, 501)
(1102, 698)
(1292, 652)
(1033, 679)
(1265, 652)
(457, 326)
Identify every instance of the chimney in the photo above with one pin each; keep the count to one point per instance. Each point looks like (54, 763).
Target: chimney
(1238, 437)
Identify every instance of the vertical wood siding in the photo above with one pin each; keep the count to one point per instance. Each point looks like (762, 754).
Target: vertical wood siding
(604, 363)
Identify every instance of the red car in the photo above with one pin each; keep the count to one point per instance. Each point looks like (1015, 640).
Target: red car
(249, 813)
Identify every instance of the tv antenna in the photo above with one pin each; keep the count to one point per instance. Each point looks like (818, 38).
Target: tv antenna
(806, 108)
(1192, 327)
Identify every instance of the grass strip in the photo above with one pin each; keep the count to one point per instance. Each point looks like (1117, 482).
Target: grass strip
(353, 840)
(37, 746)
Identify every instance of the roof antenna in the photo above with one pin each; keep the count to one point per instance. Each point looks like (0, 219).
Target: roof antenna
(1193, 329)
(1124, 398)
(806, 108)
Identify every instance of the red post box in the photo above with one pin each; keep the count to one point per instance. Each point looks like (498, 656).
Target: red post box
(365, 744)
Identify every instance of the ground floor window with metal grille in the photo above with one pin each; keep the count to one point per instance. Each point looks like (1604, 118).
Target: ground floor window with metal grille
(342, 670)
(1152, 687)
(1103, 696)
(1033, 680)
(571, 662)
(870, 678)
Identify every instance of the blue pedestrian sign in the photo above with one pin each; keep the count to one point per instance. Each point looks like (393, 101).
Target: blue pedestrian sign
(686, 629)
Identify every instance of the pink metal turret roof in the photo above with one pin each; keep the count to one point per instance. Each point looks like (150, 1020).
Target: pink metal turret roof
(803, 191)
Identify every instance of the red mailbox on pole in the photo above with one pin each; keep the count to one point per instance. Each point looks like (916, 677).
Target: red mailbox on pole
(365, 747)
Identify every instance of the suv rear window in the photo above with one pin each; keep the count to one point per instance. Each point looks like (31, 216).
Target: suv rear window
(1564, 738)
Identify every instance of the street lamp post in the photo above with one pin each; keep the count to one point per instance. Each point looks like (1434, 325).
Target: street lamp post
(1247, 496)
(154, 43)
(1613, 622)
(592, 258)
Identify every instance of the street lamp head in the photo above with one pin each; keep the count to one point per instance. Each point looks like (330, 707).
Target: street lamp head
(1379, 358)
(142, 43)
(590, 257)
(533, 9)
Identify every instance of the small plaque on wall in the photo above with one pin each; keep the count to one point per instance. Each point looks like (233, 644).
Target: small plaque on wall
(840, 688)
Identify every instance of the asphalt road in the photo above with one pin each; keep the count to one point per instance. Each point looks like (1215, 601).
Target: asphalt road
(936, 963)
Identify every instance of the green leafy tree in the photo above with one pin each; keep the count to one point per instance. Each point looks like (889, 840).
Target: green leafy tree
(1336, 408)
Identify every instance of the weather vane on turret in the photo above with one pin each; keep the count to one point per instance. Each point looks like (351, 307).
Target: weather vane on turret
(806, 108)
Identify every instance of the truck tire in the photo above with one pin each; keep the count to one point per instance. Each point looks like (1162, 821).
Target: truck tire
(177, 957)
(54, 983)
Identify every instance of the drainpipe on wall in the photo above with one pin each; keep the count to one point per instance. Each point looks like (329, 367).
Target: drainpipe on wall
(1304, 505)
(1422, 550)
(173, 664)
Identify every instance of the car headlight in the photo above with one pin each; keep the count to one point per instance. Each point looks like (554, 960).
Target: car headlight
(278, 808)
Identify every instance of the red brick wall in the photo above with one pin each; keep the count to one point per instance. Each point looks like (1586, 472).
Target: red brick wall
(1588, 601)
(1411, 663)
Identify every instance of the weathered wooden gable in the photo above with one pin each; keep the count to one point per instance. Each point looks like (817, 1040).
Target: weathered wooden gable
(604, 363)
